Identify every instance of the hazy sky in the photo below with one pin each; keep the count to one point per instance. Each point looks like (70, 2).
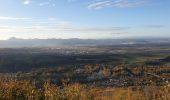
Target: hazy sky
(84, 18)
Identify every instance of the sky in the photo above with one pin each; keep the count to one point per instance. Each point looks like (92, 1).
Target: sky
(87, 19)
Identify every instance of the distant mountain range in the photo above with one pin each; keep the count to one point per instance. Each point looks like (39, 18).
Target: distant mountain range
(16, 42)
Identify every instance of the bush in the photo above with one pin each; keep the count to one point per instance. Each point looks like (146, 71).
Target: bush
(25, 90)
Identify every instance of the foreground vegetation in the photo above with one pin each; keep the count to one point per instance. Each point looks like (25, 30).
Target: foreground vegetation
(11, 89)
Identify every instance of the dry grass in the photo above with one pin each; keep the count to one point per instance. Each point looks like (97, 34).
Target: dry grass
(24, 90)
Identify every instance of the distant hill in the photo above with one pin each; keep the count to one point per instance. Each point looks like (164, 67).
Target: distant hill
(15, 42)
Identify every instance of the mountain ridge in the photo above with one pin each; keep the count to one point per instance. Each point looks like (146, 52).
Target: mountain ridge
(17, 42)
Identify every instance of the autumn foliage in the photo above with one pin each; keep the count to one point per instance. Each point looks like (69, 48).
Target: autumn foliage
(25, 90)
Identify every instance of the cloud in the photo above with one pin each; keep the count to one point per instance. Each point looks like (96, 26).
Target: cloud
(26, 2)
(62, 28)
(55, 25)
(129, 3)
(12, 18)
(95, 4)
(40, 3)
(52, 19)
(98, 29)
(155, 26)
(99, 4)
